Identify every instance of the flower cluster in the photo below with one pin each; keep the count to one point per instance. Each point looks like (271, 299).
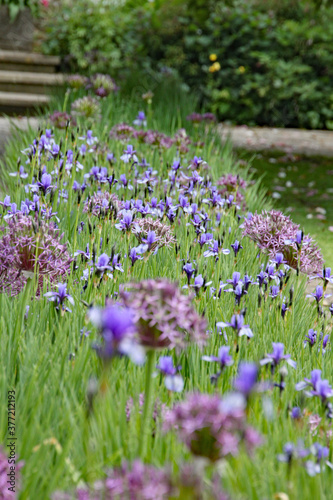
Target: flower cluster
(164, 317)
(153, 233)
(28, 247)
(86, 107)
(211, 427)
(275, 232)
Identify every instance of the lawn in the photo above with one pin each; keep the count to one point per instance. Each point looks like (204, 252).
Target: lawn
(302, 187)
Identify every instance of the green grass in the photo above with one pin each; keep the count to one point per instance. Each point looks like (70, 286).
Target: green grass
(305, 187)
(51, 368)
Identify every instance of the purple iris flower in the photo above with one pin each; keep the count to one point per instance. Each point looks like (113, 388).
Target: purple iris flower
(298, 240)
(270, 272)
(236, 279)
(45, 183)
(277, 356)
(323, 390)
(223, 357)
(140, 120)
(6, 202)
(319, 294)
(275, 291)
(284, 309)
(85, 254)
(102, 264)
(198, 282)
(315, 377)
(116, 264)
(262, 278)
(311, 337)
(246, 379)
(117, 328)
(296, 413)
(171, 215)
(326, 340)
(129, 155)
(126, 222)
(60, 296)
(278, 259)
(189, 270)
(236, 247)
(133, 255)
(290, 451)
(325, 275)
(176, 165)
(204, 237)
(247, 281)
(237, 324)
(172, 381)
(151, 239)
(214, 250)
(21, 173)
(238, 291)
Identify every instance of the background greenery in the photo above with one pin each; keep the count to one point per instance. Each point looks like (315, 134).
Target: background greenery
(273, 59)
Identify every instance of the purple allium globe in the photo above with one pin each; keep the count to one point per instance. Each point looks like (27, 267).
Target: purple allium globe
(60, 119)
(271, 230)
(28, 245)
(164, 316)
(145, 482)
(210, 428)
(102, 203)
(102, 84)
(122, 132)
(232, 184)
(76, 82)
(164, 236)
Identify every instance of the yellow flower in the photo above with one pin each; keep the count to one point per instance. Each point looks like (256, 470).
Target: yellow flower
(241, 69)
(214, 67)
(213, 57)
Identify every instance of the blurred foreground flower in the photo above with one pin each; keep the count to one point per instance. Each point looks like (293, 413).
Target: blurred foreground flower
(140, 481)
(164, 317)
(212, 427)
(117, 330)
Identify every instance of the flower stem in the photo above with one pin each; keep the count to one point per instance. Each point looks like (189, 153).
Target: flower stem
(147, 405)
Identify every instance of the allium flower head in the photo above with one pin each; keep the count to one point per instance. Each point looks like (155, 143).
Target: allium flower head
(208, 428)
(102, 85)
(122, 132)
(60, 119)
(27, 246)
(76, 82)
(164, 316)
(102, 203)
(139, 481)
(271, 230)
(164, 236)
(86, 107)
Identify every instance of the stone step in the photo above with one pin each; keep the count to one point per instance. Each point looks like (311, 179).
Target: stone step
(17, 103)
(31, 83)
(13, 60)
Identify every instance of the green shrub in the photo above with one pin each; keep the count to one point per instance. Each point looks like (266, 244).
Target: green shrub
(273, 62)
